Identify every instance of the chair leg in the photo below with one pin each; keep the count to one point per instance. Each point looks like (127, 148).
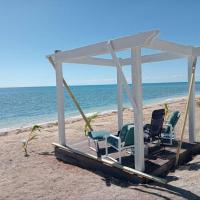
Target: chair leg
(171, 139)
(106, 145)
(96, 145)
(88, 141)
(120, 158)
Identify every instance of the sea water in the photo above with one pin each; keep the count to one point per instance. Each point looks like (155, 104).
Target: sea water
(31, 105)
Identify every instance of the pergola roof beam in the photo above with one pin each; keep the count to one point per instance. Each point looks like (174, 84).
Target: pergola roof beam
(127, 61)
(93, 61)
(196, 51)
(140, 39)
(153, 58)
(171, 47)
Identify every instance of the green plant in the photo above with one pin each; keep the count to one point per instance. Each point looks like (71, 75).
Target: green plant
(166, 110)
(32, 135)
(89, 119)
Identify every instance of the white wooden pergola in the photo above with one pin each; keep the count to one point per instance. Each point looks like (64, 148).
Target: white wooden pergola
(87, 55)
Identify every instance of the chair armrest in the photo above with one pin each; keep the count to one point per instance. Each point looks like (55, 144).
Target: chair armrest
(116, 139)
(146, 128)
(165, 130)
(168, 125)
(113, 136)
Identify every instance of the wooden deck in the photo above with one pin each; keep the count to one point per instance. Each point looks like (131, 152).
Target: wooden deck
(159, 161)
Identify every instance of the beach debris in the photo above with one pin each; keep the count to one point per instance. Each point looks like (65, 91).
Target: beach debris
(32, 135)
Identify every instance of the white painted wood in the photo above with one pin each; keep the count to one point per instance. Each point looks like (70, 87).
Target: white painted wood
(171, 47)
(165, 56)
(191, 114)
(153, 58)
(196, 51)
(60, 103)
(146, 39)
(140, 39)
(124, 81)
(119, 99)
(138, 111)
(136, 103)
(127, 61)
(93, 61)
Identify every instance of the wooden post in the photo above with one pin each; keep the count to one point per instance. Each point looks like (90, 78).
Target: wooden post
(60, 102)
(138, 110)
(191, 114)
(73, 97)
(186, 110)
(119, 99)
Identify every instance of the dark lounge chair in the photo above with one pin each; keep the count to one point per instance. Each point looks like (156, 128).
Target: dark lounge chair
(152, 131)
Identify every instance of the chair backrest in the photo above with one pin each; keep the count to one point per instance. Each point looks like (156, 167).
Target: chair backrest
(173, 118)
(127, 134)
(157, 122)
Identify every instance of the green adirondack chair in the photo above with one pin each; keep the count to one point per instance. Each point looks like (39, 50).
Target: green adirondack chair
(125, 140)
(168, 134)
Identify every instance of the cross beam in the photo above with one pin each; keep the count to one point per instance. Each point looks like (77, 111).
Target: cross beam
(127, 61)
(120, 44)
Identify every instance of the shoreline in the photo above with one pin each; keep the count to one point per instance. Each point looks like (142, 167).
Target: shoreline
(39, 175)
(72, 119)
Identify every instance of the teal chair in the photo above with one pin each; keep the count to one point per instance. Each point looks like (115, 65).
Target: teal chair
(124, 140)
(168, 134)
(96, 137)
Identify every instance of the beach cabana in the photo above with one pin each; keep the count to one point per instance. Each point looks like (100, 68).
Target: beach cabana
(89, 55)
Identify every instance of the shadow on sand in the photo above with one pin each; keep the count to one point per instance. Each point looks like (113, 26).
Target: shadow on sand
(166, 191)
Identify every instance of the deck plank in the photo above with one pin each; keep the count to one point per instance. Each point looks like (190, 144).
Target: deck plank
(158, 163)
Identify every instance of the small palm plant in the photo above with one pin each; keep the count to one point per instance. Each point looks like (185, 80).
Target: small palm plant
(166, 110)
(32, 135)
(89, 119)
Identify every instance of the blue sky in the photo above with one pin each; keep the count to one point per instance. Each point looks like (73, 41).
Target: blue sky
(32, 29)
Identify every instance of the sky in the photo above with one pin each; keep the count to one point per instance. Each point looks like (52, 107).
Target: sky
(30, 30)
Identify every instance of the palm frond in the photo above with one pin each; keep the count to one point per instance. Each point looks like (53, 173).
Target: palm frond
(36, 128)
(89, 119)
(32, 135)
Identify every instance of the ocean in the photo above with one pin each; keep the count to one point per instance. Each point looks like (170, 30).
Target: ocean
(21, 107)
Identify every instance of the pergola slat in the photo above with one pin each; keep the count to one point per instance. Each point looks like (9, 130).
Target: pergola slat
(140, 39)
(171, 47)
(127, 61)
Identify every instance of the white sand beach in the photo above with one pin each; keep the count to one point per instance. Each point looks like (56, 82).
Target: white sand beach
(42, 176)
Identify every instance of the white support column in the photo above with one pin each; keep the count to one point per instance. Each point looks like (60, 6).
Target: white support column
(191, 114)
(119, 99)
(60, 103)
(138, 110)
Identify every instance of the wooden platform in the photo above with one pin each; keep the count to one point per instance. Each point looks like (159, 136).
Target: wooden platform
(158, 162)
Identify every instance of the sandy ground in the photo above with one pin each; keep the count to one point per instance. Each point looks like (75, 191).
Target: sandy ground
(41, 176)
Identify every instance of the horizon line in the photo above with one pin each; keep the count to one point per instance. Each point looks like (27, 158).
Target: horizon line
(93, 84)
